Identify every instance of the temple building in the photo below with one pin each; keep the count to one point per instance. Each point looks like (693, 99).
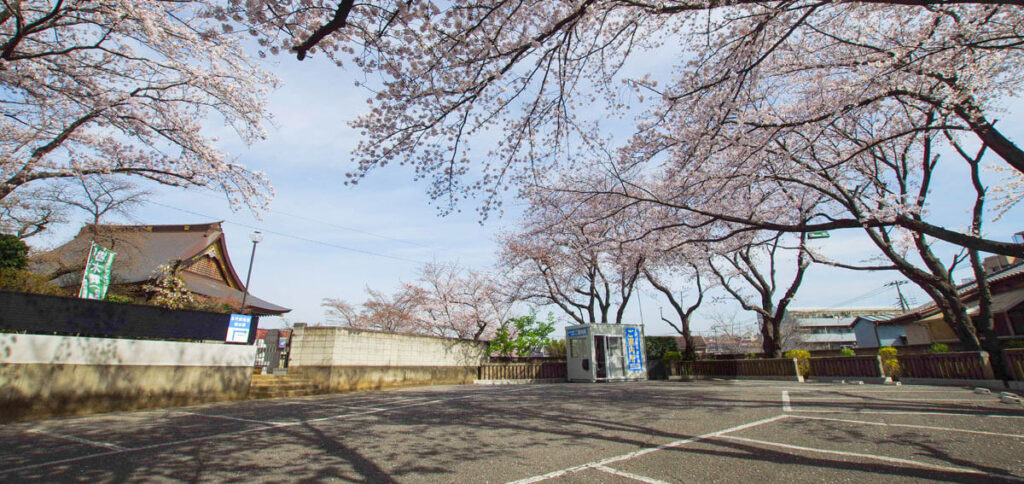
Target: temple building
(196, 253)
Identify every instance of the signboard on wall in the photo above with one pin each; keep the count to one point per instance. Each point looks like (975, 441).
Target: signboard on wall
(577, 333)
(634, 355)
(238, 329)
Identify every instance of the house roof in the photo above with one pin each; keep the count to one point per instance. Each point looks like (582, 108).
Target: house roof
(967, 289)
(141, 249)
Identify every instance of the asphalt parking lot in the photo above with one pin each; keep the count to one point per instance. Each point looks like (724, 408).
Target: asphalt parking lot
(621, 432)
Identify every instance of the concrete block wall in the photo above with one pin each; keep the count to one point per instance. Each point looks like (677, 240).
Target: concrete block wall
(340, 359)
(45, 375)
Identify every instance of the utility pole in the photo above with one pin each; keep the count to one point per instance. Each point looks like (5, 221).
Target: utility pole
(903, 302)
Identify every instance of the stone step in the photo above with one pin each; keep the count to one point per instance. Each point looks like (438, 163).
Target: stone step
(278, 393)
(277, 386)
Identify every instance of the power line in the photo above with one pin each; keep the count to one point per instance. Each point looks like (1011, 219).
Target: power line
(343, 227)
(291, 236)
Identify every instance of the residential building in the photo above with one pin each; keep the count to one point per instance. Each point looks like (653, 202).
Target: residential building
(825, 328)
(925, 324)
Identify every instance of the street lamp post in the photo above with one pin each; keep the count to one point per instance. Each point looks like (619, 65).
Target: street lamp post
(255, 237)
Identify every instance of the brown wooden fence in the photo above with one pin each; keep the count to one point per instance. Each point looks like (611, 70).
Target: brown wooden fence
(781, 367)
(522, 371)
(1015, 363)
(844, 366)
(971, 365)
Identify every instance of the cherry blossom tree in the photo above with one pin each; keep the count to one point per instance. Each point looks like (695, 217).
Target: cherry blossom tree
(113, 87)
(564, 253)
(531, 73)
(749, 274)
(463, 303)
(400, 312)
(445, 301)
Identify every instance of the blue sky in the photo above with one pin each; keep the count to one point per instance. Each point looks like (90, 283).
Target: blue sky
(325, 239)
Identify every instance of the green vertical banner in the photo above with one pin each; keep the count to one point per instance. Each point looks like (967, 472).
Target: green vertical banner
(96, 277)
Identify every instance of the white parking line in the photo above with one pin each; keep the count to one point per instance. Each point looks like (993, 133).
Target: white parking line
(910, 426)
(269, 426)
(629, 475)
(871, 399)
(224, 417)
(786, 407)
(902, 412)
(891, 460)
(95, 443)
(638, 453)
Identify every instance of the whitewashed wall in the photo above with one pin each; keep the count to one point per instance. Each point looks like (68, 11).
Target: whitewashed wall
(73, 350)
(332, 346)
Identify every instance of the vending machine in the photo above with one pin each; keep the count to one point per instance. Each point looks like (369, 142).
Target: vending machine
(605, 352)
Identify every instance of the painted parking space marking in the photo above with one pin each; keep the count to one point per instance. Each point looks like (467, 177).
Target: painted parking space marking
(268, 426)
(638, 453)
(880, 458)
(786, 407)
(224, 417)
(909, 426)
(629, 475)
(106, 445)
(906, 412)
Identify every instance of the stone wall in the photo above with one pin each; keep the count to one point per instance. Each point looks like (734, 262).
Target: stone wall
(341, 359)
(44, 375)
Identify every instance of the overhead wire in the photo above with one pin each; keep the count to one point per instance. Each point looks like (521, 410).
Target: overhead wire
(291, 236)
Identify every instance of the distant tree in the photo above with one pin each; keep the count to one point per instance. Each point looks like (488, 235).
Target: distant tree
(401, 312)
(99, 196)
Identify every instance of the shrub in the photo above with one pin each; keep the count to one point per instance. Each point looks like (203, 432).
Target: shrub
(847, 352)
(20, 280)
(556, 348)
(671, 356)
(889, 361)
(803, 360)
(13, 252)
(938, 348)
(750, 356)
(117, 298)
(656, 346)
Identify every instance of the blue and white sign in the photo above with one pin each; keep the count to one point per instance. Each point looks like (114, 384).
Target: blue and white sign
(577, 333)
(238, 328)
(633, 351)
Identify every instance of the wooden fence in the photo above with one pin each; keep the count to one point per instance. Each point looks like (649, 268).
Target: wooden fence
(522, 371)
(973, 365)
(1015, 363)
(846, 366)
(781, 367)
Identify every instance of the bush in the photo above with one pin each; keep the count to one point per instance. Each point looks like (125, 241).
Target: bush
(889, 361)
(750, 356)
(671, 356)
(13, 252)
(657, 346)
(803, 360)
(938, 348)
(556, 348)
(117, 298)
(20, 280)
(847, 352)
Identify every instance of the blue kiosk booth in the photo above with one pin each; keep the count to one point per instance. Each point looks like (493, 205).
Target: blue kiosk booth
(605, 352)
